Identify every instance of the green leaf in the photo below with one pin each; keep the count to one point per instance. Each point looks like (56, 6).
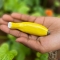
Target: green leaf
(23, 9)
(38, 54)
(10, 55)
(44, 56)
(5, 53)
(15, 46)
(8, 6)
(3, 50)
(21, 49)
(29, 2)
(39, 9)
(36, 14)
(25, 49)
(11, 5)
(21, 56)
(12, 38)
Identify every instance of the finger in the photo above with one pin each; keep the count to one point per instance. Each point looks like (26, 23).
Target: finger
(29, 18)
(16, 20)
(2, 21)
(33, 44)
(8, 18)
(32, 37)
(15, 33)
(4, 28)
(23, 17)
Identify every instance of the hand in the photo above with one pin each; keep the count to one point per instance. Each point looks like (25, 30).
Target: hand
(40, 44)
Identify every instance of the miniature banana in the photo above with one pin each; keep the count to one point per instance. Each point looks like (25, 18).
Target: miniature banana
(30, 28)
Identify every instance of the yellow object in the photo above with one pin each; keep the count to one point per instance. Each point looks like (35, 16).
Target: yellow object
(30, 28)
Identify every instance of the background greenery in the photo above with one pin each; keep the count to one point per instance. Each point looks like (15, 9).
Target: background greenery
(31, 7)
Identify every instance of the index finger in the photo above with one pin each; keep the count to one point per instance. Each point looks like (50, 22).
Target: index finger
(23, 17)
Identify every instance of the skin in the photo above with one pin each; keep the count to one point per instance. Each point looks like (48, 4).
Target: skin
(41, 44)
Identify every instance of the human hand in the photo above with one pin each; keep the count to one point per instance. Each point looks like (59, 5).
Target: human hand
(40, 44)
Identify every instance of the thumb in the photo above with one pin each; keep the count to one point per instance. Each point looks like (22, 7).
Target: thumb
(33, 44)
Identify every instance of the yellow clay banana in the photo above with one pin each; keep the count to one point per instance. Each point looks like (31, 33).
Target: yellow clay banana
(30, 28)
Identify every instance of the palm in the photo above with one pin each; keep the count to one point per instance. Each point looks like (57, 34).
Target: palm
(41, 44)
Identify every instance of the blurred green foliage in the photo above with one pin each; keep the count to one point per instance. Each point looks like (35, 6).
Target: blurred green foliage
(31, 7)
(5, 53)
(21, 6)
